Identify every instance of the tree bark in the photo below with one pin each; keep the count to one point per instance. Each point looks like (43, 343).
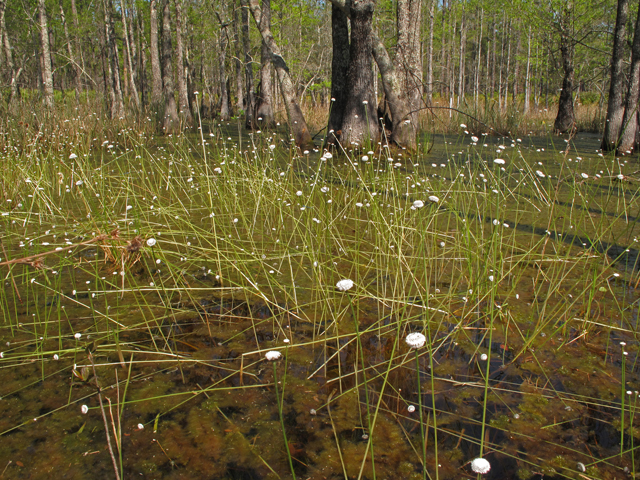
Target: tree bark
(429, 79)
(339, 69)
(616, 107)
(629, 125)
(115, 87)
(6, 44)
(463, 42)
(408, 60)
(248, 66)
(156, 72)
(171, 121)
(76, 68)
(239, 54)
(47, 73)
(183, 96)
(360, 119)
(565, 120)
(527, 78)
(263, 111)
(297, 122)
(225, 107)
(129, 54)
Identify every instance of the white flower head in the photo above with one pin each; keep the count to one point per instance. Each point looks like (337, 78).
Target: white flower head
(474, 139)
(484, 357)
(499, 161)
(72, 156)
(418, 204)
(411, 409)
(434, 199)
(272, 355)
(540, 174)
(480, 465)
(140, 426)
(84, 409)
(415, 340)
(77, 336)
(345, 284)
(151, 242)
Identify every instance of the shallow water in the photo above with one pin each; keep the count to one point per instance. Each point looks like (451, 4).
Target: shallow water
(541, 277)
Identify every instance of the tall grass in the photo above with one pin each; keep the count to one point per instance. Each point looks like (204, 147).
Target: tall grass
(184, 259)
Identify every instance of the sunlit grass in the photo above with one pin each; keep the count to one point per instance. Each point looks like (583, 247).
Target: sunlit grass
(181, 261)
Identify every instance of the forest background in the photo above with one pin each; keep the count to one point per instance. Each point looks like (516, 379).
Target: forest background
(503, 63)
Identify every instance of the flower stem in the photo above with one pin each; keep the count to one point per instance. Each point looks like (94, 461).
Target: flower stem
(284, 433)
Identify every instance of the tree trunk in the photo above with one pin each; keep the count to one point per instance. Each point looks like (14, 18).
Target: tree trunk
(360, 119)
(527, 79)
(463, 41)
(429, 79)
(408, 60)
(6, 44)
(476, 86)
(297, 123)
(142, 61)
(156, 72)
(239, 54)
(248, 66)
(171, 121)
(183, 96)
(516, 66)
(616, 107)
(565, 120)
(339, 69)
(263, 111)
(629, 124)
(132, 80)
(47, 73)
(115, 94)
(492, 88)
(225, 107)
(72, 58)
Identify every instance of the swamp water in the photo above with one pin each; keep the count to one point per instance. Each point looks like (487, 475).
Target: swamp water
(144, 286)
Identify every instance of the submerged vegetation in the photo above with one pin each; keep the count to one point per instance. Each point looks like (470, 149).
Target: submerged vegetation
(469, 309)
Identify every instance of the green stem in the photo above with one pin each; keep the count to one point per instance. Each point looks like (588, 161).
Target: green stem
(424, 449)
(284, 433)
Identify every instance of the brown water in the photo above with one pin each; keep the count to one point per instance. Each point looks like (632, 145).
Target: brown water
(180, 353)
